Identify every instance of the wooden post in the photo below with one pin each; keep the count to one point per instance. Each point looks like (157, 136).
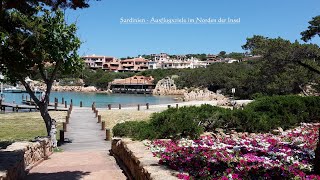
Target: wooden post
(119, 106)
(71, 101)
(97, 113)
(80, 103)
(109, 106)
(169, 106)
(17, 108)
(65, 104)
(177, 106)
(93, 105)
(22, 97)
(103, 125)
(61, 136)
(108, 136)
(138, 107)
(67, 119)
(99, 118)
(70, 107)
(64, 126)
(147, 105)
(69, 112)
(62, 100)
(55, 106)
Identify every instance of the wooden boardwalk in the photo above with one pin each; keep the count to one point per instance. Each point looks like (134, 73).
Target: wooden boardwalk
(17, 107)
(87, 157)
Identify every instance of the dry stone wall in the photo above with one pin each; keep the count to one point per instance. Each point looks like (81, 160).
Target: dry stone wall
(18, 158)
(139, 161)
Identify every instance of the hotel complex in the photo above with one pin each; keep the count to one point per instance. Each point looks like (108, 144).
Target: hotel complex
(156, 61)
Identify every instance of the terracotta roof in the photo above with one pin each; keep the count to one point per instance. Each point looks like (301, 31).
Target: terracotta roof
(134, 80)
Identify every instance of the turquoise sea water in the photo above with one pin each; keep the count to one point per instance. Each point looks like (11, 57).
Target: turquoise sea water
(101, 99)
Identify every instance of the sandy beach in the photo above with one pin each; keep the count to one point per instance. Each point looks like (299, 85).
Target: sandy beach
(115, 115)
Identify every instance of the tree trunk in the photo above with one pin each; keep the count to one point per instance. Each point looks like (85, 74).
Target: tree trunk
(43, 107)
(43, 104)
(317, 157)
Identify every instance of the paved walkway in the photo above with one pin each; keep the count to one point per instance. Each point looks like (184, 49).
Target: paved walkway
(87, 157)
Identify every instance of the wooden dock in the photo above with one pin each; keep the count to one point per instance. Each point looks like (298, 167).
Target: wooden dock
(17, 107)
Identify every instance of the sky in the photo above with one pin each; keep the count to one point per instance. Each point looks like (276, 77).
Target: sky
(102, 33)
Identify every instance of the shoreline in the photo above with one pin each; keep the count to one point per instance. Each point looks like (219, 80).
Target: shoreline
(161, 107)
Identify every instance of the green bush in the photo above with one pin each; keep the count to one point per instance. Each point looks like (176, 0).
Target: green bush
(262, 115)
(175, 123)
(267, 113)
(134, 129)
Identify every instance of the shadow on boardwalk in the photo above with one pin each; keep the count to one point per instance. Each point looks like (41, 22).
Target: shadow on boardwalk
(66, 175)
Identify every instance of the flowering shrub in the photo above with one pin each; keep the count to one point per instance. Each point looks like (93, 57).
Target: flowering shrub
(242, 155)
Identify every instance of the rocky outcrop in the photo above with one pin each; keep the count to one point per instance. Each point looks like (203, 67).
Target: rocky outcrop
(200, 95)
(139, 161)
(69, 88)
(56, 87)
(167, 86)
(75, 88)
(18, 158)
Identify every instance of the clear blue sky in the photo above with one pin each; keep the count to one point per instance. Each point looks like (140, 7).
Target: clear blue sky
(102, 34)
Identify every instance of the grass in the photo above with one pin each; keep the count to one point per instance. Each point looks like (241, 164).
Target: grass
(112, 117)
(26, 126)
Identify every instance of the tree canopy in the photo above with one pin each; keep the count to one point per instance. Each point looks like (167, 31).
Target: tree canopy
(31, 43)
(281, 52)
(313, 29)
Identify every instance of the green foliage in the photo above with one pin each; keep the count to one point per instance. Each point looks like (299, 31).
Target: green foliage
(279, 53)
(174, 123)
(313, 29)
(235, 55)
(201, 57)
(100, 78)
(267, 113)
(133, 129)
(262, 115)
(222, 54)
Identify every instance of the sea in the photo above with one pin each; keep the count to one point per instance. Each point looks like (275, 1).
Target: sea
(100, 99)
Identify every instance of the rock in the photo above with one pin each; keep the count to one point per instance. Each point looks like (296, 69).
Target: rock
(167, 86)
(205, 95)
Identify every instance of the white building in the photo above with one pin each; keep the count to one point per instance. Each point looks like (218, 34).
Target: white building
(160, 57)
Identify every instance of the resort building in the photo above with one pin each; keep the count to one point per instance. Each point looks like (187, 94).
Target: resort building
(160, 57)
(94, 62)
(154, 65)
(112, 64)
(134, 65)
(133, 85)
(213, 58)
(175, 64)
(158, 61)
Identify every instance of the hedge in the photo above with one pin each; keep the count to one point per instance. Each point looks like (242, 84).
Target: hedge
(262, 115)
